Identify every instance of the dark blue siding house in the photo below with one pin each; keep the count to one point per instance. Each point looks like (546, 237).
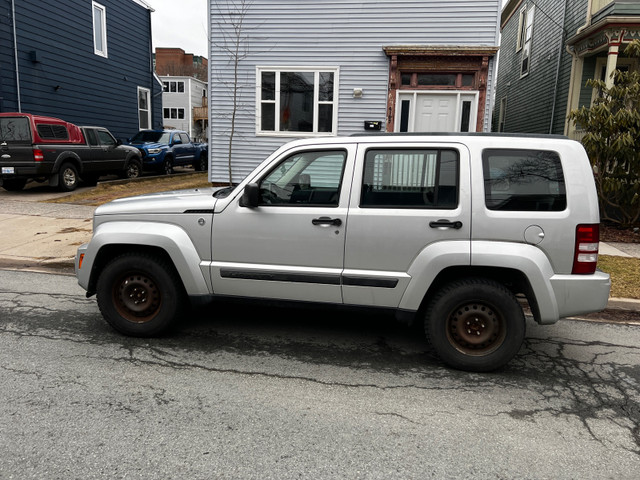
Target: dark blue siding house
(88, 62)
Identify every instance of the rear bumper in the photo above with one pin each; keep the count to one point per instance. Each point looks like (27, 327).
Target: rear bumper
(578, 294)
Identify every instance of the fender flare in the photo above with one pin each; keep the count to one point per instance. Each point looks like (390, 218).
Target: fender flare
(67, 156)
(171, 238)
(527, 259)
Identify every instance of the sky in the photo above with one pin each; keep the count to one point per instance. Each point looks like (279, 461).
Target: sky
(180, 24)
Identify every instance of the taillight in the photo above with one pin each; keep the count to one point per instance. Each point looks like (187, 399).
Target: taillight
(38, 156)
(585, 257)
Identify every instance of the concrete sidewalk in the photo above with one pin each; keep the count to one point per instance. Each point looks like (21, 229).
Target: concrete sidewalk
(45, 236)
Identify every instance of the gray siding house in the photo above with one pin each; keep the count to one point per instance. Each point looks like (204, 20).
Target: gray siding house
(180, 96)
(549, 49)
(325, 68)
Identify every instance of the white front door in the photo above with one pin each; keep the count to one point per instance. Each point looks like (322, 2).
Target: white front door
(442, 111)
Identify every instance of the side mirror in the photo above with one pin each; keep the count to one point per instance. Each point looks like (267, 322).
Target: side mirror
(251, 196)
(176, 141)
(118, 142)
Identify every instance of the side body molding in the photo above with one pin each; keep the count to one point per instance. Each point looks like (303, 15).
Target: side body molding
(171, 238)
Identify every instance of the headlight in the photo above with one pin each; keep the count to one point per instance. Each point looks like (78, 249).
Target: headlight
(153, 151)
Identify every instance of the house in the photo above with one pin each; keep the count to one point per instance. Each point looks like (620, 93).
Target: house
(549, 50)
(174, 61)
(183, 102)
(327, 68)
(87, 62)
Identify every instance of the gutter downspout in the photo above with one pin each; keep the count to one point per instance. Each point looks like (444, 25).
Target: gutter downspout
(555, 86)
(15, 53)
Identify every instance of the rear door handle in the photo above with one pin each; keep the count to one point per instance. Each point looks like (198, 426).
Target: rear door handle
(446, 224)
(327, 221)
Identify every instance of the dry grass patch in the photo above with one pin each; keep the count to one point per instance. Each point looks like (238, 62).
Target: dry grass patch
(625, 275)
(105, 192)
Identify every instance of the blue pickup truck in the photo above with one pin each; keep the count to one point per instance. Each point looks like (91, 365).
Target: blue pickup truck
(161, 150)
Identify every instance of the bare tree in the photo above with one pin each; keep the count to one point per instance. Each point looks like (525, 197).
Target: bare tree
(231, 15)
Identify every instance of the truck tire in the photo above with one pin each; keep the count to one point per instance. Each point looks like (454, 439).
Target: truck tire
(475, 324)
(67, 177)
(139, 294)
(133, 169)
(202, 164)
(167, 166)
(14, 184)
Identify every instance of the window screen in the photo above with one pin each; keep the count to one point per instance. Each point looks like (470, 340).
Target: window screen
(523, 180)
(412, 178)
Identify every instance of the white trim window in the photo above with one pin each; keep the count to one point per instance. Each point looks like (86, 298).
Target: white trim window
(297, 101)
(173, 113)
(144, 108)
(526, 45)
(173, 87)
(99, 29)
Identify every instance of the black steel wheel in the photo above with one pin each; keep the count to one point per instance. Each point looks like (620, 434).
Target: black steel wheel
(14, 184)
(475, 324)
(140, 295)
(67, 177)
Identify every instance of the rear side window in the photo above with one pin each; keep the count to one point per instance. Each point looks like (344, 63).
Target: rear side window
(52, 132)
(410, 178)
(15, 130)
(523, 180)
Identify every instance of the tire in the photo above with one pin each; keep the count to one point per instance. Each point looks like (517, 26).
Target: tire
(14, 184)
(133, 169)
(492, 321)
(167, 166)
(67, 178)
(140, 295)
(202, 164)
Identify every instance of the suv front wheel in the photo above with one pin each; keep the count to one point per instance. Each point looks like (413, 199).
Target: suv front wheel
(140, 295)
(475, 324)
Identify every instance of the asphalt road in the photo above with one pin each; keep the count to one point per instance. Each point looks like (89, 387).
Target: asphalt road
(263, 392)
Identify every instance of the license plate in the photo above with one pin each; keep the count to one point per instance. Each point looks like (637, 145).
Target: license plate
(8, 170)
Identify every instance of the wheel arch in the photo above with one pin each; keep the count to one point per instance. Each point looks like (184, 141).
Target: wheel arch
(168, 242)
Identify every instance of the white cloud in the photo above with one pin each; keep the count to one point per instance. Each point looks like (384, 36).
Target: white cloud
(181, 24)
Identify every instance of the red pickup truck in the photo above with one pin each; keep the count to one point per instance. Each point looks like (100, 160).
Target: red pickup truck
(34, 147)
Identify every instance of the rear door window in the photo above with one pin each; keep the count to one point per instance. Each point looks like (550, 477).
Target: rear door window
(410, 178)
(523, 180)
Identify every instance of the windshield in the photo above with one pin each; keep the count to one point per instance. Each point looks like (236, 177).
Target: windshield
(149, 136)
(15, 129)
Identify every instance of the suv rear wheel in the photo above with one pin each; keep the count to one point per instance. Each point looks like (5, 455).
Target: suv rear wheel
(475, 324)
(139, 295)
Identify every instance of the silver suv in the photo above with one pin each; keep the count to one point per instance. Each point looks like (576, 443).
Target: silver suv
(456, 231)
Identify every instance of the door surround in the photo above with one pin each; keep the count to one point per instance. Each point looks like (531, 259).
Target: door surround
(406, 62)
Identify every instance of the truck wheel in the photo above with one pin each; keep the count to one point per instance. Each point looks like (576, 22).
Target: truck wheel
(14, 184)
(133, 169)
(202, 164)
(167, 166)
(67, 177)
(475, 324)
(139, 295)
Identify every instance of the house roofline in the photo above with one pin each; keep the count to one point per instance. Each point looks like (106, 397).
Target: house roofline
(605, 23)
(440, 50)
(144, 4)
(508, 11)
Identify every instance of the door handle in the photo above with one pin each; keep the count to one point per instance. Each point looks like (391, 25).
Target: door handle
(327, 221)
(446, 224)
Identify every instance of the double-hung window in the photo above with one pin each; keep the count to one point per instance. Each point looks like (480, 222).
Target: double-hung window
(297, 101)
(525, 35)
(99, 29)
